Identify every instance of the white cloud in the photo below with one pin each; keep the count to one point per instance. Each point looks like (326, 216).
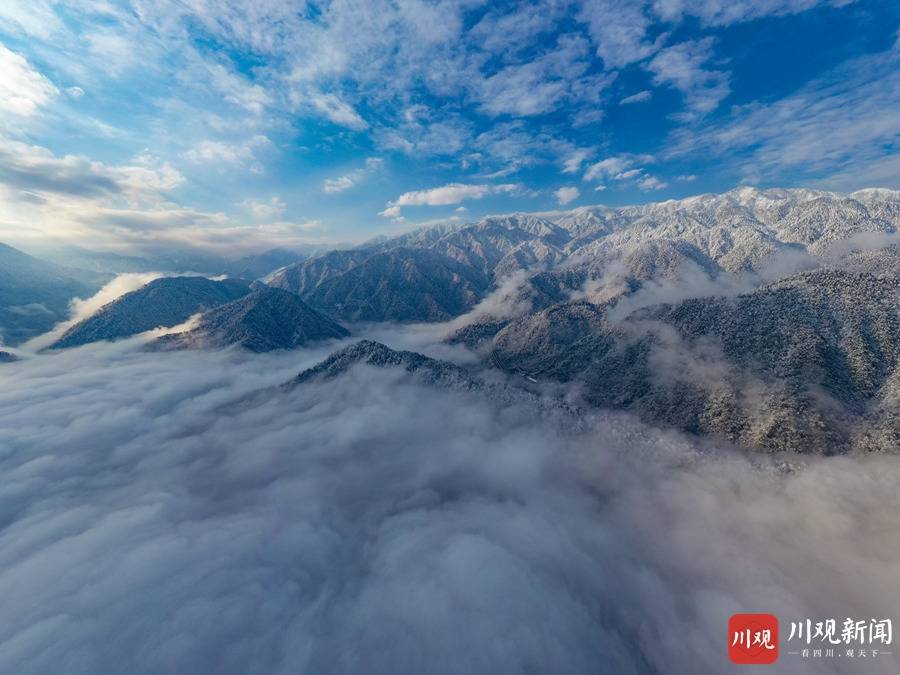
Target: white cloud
(610, 167)
(509, 33)
(338, 111)
(639, 97)
(34, 19)
(453, 193)
(621, 29)
(23, 90)
(510, 146)
(682, 66)
(521, 91)
(335, 185)
(727, 12)
(627, 175)
(574, 160)
(391, 212)
(273, 208)
(37, 170)
(842, 124)
(73, 200)
(237, 90)
(216, 151)
(422, 138)
(114, 49)
(539, 86)
(651, 183)
(171, 227)
(221, 152)
(564, 195)
(587, 117)
(623, 169)
(618, 29)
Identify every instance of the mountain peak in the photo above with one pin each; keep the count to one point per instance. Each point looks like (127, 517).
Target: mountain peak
(264, 320)
(371, 353)
(166, 302)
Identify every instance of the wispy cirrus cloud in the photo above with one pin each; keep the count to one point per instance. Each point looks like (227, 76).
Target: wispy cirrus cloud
(619, 29)
(223, 153)
(683, 66)
(639, 97)
(843, 125)
(338, 111)
(420, 135)
(573, 161)
(544, 83)
(728, 12)
(341, 183)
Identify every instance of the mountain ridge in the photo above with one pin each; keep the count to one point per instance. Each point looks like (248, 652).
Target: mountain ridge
(738, 231)
(264, 320)
(35, 294)
(164, 302)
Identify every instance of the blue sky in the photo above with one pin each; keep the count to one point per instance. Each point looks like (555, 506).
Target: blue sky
(235, 126)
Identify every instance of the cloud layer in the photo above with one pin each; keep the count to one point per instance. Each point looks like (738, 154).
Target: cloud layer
(371, 525)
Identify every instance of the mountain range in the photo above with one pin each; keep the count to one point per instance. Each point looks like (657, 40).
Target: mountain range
(765, 317)
(770, 318)
(421, 369)
(439, 271)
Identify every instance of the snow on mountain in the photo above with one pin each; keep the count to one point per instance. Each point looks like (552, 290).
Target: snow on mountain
(264, 320)
(165, 302)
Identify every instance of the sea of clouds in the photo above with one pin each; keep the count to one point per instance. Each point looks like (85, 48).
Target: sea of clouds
(155, 517)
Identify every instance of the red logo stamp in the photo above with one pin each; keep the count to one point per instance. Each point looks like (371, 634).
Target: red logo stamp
(753, 638)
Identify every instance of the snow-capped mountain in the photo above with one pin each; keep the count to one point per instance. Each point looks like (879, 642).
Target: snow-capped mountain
(741, 230)
(164, 302)
(798, 364)
(264, 320)
(767, 317)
